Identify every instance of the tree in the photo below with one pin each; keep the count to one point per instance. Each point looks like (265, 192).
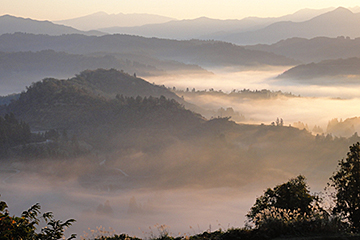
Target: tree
(346, 181)
(292, 195)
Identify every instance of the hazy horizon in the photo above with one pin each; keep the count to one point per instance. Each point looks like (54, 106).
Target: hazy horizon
(229, 9)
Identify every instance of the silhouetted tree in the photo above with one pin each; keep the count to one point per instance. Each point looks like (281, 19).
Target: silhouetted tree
(292, 195)
(346, 181)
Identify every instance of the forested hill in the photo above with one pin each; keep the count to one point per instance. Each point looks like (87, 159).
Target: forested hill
(112, 82)
(83, 103)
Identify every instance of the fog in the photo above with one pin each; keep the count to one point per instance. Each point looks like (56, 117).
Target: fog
(317, 106)
(228, 79)
(183, 211)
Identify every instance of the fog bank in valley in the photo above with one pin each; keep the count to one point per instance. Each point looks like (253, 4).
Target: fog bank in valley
(136, 212)
(317, 104)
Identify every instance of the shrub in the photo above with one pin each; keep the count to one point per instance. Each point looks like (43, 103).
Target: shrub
(24, 227)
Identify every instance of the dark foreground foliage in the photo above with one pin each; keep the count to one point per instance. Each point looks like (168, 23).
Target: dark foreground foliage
(24, 227)
(346, 183)
(241, 234)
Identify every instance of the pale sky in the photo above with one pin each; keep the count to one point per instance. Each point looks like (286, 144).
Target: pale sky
(179, 9)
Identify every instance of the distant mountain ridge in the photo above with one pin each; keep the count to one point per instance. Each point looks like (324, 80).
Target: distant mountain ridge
(208, 28)
(103, 20)
(339, 22)
(11, 24)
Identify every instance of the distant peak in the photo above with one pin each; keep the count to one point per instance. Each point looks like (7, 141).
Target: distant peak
(101, 13)
(203, 17)
(342, 9)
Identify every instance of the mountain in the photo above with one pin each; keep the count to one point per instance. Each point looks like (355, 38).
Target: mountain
(202, 53)
(313, 50)
(11, 24)
(182, 29)
(97, 98)
(304, 14)
(103, 20)
(207, 28)
(339, 22)
(326, 72)
(109, 83)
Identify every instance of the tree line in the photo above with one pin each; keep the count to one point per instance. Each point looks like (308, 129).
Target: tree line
(12, 132)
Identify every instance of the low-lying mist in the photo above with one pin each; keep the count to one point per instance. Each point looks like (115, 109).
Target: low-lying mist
(134, 212)
(317, 104)
(137, 212)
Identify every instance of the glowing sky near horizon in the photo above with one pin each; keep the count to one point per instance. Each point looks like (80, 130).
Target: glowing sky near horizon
(179, 9)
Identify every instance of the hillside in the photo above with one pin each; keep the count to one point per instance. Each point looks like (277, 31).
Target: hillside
(95, 98)
(325, 72)
(109, 83)
(11, 24)
(203, 53)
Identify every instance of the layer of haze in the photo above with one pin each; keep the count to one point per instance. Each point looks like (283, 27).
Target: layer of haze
(316, 106)
(137, 211)
(185, 9)
(183, 211)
